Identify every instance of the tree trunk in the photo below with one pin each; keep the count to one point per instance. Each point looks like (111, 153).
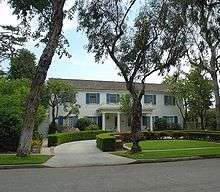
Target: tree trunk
(33, 99)
(136, 125)
(202, 121)
(217, 99)
(53, 125)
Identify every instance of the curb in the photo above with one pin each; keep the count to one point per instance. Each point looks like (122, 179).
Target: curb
(25, 166)
(172, 159)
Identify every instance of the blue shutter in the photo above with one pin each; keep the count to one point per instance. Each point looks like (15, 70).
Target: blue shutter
(175, 119)
(145, 98)
(165, 100)
(97, 98)
(154, 100)
(118, 98)
(87, 98)
(107, 98)
(100, 121)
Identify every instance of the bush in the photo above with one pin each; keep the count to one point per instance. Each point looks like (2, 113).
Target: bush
(161, 125)
(10, 130)
(83, 123)
(92, 127)
(59, 138)
(106, 142)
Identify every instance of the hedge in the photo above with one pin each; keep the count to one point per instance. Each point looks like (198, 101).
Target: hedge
(59, 138)
(106, 141)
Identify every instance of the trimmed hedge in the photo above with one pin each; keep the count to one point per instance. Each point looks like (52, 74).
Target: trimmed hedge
(59, 138)
(106, 142)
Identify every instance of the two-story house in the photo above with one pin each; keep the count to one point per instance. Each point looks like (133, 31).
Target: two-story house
(99, 101)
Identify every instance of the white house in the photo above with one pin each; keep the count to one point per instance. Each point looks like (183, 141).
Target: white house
(99, 101)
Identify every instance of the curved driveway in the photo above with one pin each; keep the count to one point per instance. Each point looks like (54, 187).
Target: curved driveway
(83, 153)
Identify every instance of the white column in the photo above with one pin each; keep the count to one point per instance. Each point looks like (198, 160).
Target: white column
(151, 123)
(118, 122)
(103, 121)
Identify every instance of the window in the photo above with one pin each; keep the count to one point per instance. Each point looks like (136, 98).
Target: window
(146, 121)
(169, 100)
(112, 98)
(150, 99)
(171, 119)
(93, 119)
(92, 98)
(155, 118)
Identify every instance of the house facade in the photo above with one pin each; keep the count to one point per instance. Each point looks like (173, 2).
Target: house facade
(99, 102)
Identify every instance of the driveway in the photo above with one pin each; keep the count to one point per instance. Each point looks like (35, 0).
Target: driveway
(83, 153)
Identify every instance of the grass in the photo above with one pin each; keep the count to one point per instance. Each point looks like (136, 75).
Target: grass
(14, 160)
(174, 144)
(162, 149)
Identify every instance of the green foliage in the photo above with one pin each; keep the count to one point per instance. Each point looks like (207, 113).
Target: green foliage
(160, 124)
(106, 142)
(83, 123)
(59, 138)
(10, 129)
(126, 104)
(92, 127)
(211, 120)
(60, 93)
(11, 39)
(13, 95)
(23, 65)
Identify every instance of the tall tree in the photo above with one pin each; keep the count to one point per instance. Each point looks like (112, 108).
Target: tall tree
(178, 88)
(61, 93)
(140, 47)
(200, 92)
(22, 65)
(202, 28)
(50, 15)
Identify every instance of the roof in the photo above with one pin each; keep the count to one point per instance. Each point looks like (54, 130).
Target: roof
(80, 84)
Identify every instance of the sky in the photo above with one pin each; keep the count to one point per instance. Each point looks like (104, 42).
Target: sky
(82, 64)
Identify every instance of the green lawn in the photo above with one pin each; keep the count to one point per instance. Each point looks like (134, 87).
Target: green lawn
(174, 144)
(14, 160)
(162, 149)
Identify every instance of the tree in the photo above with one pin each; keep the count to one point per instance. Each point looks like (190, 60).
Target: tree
(201, 90)
(13, 94)
(193, 94)
(202, 28)
(178, 88)
(61, 93)
(11, 40)
(139, 48)
(50, 16)
(23, 65)
(126, 104)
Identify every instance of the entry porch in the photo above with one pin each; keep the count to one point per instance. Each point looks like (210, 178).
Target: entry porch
(114, 120)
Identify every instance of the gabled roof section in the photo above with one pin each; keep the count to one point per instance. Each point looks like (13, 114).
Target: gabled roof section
(86, 85)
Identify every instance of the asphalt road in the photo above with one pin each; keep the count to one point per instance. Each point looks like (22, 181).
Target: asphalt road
(197, 175)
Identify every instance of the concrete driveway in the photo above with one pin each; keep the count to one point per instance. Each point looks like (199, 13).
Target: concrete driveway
(83, 153)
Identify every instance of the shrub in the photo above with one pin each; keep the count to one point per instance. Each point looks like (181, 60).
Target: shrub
(160, 124)
(59, 138)
(92, 127)
(9, 133)
(83, 123)
(106, 142)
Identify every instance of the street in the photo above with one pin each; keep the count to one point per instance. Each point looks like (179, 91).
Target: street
(196, 175)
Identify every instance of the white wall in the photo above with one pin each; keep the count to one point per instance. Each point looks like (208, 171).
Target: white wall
(91, 109)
